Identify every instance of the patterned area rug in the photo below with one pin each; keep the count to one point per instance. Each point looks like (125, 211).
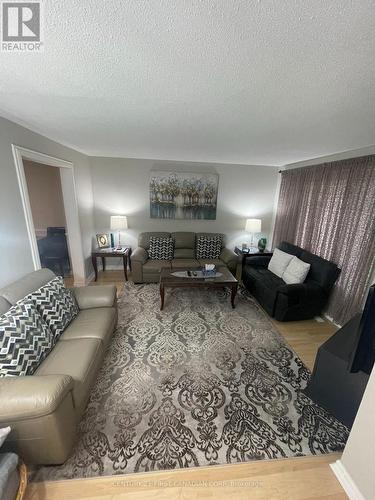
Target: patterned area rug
(194, 385)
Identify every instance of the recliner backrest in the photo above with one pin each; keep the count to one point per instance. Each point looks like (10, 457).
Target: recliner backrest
(289, 248)
(321, 271)
(29, 283)
(184, 244)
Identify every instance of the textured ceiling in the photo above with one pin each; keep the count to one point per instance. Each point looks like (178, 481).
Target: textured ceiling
(234, 81)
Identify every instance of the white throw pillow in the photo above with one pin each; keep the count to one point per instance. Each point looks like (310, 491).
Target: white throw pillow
(296, 271)
(279, 262)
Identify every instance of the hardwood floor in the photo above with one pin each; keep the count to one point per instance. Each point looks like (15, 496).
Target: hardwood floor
(287, 479)
(305, 337)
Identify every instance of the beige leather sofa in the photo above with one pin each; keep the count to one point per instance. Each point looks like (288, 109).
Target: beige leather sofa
(44, 409)
(145, 270)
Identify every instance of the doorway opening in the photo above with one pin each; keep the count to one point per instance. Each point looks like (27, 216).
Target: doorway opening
(48, 213)
(48, 194)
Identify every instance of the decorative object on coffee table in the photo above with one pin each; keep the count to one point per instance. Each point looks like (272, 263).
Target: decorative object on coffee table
(125, 253)
(119, 223)
(169, 280)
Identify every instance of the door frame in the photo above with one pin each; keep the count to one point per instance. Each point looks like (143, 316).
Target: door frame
(74, 237)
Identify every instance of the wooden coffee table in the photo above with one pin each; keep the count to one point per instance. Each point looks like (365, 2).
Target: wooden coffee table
(167, 280)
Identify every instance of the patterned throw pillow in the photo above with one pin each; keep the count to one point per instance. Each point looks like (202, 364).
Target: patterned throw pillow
(161, 248)
(209, 247)
(25, 340)
(56, 304)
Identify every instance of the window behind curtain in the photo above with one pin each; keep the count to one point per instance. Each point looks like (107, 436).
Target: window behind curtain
(329, 209)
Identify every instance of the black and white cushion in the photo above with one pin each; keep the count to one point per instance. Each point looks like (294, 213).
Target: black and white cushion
(25, 340)
(56, 304)
(160, 248)
(209, 247)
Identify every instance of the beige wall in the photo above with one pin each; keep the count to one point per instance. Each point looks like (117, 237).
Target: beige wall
(16, 259)
(121, 186)
(45, 194)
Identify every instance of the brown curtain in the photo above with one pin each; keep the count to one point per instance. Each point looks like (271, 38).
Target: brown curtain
(329, 209)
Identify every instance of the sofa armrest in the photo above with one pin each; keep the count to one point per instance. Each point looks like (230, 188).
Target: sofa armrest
(32, 396)
(90, 297)
(139, 255)
(232, 261)
(229, 257)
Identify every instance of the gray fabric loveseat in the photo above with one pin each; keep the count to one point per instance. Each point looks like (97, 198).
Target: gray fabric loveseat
(146, 270)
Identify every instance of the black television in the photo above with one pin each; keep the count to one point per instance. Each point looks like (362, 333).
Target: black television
(363, 354)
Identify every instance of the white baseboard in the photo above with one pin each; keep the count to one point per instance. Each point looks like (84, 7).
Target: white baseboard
(346, 481)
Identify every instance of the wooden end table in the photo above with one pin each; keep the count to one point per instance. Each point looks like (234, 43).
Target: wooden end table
(245, 255)
(103, 253)
(167, 280)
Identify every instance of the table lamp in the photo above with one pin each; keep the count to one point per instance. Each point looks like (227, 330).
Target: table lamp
(253, 226)
(118, 223)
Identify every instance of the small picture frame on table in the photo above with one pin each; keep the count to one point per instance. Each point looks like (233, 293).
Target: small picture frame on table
(103, 240)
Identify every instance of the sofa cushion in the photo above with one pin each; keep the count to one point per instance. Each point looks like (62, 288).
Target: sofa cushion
(91, 297)
(184, 253)
(265, 277)
(155, 266)
(79, 358)
(144, 238)
(184, 263)
(296, 271)
(184, 239)
(56, 304)
(263, 284)
(322, 271)
(279, 262)
(25, 340)
(161, 248)
(96, 323)
(209, 247)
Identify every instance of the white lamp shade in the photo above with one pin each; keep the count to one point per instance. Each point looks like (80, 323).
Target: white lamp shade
(253, 226)
(119, 222)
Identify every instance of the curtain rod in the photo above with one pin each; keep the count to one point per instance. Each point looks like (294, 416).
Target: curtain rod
(343, 162)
